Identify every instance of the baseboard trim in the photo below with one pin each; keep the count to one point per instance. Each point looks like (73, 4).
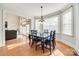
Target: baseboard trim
(2, 45)
(67, 43)
(76, 50)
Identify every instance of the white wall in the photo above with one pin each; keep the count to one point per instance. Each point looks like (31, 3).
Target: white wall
(12, 19)
(2, 34)
(33, 23)
(77, 26)
(71, 41)
(13, 22)
(1, 27)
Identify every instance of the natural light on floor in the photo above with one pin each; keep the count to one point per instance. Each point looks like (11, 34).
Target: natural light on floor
(15, 45)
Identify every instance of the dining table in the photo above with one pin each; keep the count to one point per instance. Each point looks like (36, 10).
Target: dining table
(40, 35)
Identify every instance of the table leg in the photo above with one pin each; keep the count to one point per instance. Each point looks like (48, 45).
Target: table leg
(50, 48)
(43, 46)
(29, 39)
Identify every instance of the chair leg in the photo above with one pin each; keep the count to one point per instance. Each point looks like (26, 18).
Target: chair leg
(35, 46)
(53, 45)
(50, 49)
(32, 43)
(29, 41)
(46, 45)
(43, 46)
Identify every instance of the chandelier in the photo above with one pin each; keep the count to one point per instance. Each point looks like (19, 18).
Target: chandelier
(41, 19)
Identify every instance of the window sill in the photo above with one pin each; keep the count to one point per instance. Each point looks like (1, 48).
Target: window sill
(68, 35)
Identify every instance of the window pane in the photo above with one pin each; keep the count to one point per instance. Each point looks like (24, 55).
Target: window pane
(51, 24)
(37, 25)
(67, 22)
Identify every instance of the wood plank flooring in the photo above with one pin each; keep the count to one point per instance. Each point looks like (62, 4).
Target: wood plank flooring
(18, 48)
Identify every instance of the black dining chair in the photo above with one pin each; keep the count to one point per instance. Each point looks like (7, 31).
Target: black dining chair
(50, 41)
(32, 32)
(53, 39)
(35, 38)
(46, 31)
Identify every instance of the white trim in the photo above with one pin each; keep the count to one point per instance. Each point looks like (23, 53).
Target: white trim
(62, 14)
(2, 45)
(67, 43)
(77, 50)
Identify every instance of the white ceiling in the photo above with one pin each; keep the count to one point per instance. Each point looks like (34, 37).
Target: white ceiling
(33, 9)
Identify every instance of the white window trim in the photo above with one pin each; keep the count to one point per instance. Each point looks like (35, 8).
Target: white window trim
(72, 21)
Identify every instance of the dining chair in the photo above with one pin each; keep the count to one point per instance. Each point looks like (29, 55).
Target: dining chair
(33, 36)
(46, 31)
(53, 39)
(32, 32)
(50, 39)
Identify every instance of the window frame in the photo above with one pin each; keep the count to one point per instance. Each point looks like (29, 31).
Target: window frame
(57, 21)
(72, 21)
(35, 24)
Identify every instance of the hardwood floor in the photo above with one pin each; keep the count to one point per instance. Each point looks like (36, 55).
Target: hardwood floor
(65, 49)
(18, 48)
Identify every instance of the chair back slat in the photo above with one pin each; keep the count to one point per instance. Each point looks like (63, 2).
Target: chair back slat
(54, 33)
(34, 32)
(50, 35)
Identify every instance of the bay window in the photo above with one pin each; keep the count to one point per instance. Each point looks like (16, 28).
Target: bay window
(67, 22)
(51, 24)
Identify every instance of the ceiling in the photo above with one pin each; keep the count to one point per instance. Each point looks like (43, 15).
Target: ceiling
(33, 9)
